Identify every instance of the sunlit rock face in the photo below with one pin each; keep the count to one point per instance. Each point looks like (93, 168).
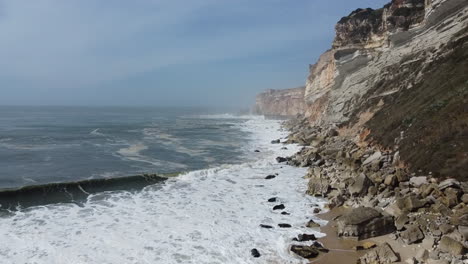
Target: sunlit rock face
(281, 103)
(395, 77)
(368, 43)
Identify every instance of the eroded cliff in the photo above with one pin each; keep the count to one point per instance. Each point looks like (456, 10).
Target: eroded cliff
(281, 103)
(397, 77)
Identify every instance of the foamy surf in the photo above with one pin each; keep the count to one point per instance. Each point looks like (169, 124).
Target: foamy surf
(205, 216)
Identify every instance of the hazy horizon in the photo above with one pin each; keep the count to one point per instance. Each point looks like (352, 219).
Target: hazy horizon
(203, 53)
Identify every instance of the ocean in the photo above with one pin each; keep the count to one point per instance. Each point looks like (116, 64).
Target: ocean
(209, 213)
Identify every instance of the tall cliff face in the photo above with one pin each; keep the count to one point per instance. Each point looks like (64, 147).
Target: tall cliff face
(281, 103)
(399, 75)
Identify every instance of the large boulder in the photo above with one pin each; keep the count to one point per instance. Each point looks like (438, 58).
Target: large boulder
(307, 252)
(364, 222)
(373, 158)
(360, 186)
(412, 234)
(449, 183)
(318, 186)
(410, 203)
(418, 181)
(449, 245)
(380, 255)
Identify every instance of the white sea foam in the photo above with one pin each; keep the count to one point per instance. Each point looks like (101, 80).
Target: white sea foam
(133, 153)
(133, 150)
(206, 216)
(96, 132)
(227, 116)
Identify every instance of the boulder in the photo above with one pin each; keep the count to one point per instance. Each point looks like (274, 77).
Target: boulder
(449, 183)
(410, 203)
(272, 200)
(418, 181)
(422, 255)
(305, 237)
(412, 234)
(451, 246)
(364, 222)
(382, 254)
(276, 141)
(373, 158)
(451, 197)
(401, 175)
(284, 225)
(307, 252)
(401, 221)
(464, 198)
(390, 180)
(279, 207)
(255, 253)
(318, 186)
(464, 232)
(269, 177)
(360, 185)
(281, 159)
(266, 226)
(446, 228)
(312, 224)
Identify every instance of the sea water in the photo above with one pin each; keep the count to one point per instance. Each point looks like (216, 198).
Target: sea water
(209, 215)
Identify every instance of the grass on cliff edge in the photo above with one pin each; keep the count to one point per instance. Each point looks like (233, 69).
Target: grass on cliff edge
(433, 115)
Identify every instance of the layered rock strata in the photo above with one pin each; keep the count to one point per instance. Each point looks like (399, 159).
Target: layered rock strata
(386, 128)
(281, 103)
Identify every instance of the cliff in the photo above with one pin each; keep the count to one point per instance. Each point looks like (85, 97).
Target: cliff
(281, 103)
(396, 78)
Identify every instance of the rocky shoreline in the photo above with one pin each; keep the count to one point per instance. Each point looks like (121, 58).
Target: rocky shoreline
(412, 217)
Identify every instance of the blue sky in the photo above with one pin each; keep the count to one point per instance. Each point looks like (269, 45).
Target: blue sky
(160, 52)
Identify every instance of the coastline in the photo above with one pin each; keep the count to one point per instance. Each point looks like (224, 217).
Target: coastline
(180, 218)
(379, 212)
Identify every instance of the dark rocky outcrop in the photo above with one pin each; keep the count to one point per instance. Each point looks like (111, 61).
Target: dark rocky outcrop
(308, 252)
(255, 253)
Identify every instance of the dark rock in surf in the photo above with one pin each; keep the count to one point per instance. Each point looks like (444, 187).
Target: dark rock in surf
(285, 213)
(266, 226)
(269, 177)
(279, 207)
(284, 225)
(255, 253)
(277, 141)
(312, 224)
(272, 200)
(305, 237)
(281, 159)
(307, 252)
(257, 150)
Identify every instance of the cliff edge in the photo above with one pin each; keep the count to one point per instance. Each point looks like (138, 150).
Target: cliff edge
(397, 78)
(281, 103)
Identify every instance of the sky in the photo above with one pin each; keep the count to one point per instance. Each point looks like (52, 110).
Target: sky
(161, 52)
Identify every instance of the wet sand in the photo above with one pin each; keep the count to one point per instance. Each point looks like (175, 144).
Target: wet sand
(341, 250)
